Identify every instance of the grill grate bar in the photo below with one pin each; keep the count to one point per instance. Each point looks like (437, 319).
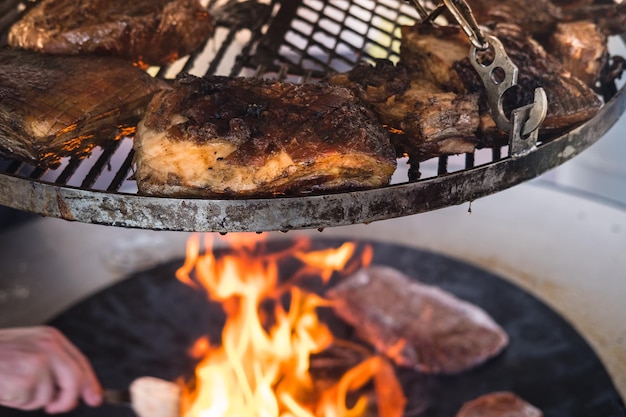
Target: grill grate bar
(102, 162)
(220, 54)
(14, 167)
(69, 171)
(442, 167)
(122, 173)
(37, 173)
(496, 153)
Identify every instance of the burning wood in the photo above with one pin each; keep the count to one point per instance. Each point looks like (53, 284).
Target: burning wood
(261, 365)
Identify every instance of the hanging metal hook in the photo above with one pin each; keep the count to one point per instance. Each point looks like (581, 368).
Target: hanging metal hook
(461, 13)
(464, 17)
(420, 9)
(498, 76)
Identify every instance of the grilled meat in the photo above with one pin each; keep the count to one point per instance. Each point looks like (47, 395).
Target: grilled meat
(540, 17)
(439, 54)
(149, 31)
(234, 137)
(582, 49)
(424, 121)
(52, 106)
(498, 404)
(417, 325)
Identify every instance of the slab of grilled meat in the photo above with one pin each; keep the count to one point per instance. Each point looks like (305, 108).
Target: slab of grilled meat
(53, 106)
(440, 54)
(153, 32)
(417, 325)
(424, 120)
(539, 18)
(237, 137)
(499, 404)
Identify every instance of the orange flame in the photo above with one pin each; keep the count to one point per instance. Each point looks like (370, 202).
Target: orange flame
(261, 365)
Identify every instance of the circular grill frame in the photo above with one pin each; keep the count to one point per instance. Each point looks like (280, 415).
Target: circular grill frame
(111, 207)
(319, 211)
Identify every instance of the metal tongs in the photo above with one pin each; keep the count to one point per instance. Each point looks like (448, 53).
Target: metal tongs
(498, 76)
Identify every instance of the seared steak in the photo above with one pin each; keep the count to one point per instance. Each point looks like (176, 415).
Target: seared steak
(149, 31)
(52, 106)
(234, 137)
(498, 404)
(417, 325)
(424, 121)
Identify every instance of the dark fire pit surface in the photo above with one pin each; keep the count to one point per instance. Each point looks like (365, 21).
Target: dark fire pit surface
(145, 325)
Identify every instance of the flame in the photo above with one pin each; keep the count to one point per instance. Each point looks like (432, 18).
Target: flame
(260, 367)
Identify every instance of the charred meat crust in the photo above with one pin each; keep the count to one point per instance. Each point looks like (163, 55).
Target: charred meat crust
(259, 120)
(539, 18)
(570, 101)
(424, 121)
(154, 32)
(257, 114)
(52, 106)
(582, 49)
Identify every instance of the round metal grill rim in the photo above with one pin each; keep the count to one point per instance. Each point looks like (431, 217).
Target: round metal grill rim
(308, 212)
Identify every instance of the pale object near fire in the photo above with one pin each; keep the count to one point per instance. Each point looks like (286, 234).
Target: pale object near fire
(154, 397)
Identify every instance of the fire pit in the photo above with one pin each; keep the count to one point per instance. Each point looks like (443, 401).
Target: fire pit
(146, 324)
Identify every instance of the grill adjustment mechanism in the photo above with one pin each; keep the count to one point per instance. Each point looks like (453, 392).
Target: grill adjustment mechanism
(498, 76)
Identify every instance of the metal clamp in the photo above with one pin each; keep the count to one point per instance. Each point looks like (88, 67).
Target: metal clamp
(498, 76)
(525, 123)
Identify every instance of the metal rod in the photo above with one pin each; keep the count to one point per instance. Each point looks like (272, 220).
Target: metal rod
(463, 15)
(420, 9)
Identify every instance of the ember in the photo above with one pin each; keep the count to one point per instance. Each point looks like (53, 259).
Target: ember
(260, 367)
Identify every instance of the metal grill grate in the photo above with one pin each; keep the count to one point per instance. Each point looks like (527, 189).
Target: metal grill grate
(296, 41)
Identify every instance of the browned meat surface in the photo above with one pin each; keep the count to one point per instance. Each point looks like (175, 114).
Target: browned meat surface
(149, 31)
(572, 3)
(417, 325)
(51, 107)
(439, 54)
(538, 18)
(424, 121)
(499, 404)
(582, 49)
(233, 137)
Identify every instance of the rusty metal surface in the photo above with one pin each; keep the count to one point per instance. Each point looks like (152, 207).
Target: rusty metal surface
(271, 214)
